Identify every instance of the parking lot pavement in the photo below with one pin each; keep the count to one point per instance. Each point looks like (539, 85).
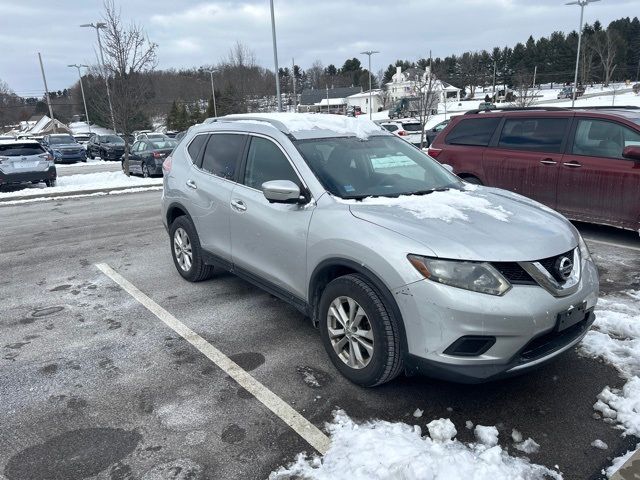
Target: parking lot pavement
(92, 384)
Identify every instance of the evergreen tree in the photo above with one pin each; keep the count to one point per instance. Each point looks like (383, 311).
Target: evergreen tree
(172, 116)
(210, 112)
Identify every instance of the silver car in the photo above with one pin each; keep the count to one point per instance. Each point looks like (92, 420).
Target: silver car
(402, 265)
(24, 161)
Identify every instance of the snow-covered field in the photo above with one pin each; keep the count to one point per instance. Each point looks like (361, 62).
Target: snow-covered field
(83, 183)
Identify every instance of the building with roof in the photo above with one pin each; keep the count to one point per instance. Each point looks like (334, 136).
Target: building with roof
(332, 100)
(409, 82)
(361, 100)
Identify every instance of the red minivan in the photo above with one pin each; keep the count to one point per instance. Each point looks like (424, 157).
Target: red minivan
(585, 163)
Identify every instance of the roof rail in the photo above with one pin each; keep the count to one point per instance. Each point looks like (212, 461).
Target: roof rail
(609, 107)
(514, 109)
(251, 118)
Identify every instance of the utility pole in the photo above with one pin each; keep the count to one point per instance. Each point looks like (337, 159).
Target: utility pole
(638, 70)
(99, 26)
(84, 101)
(495, 66)
(581, 4)
(328, 99)
(213, 94)
(369, 53)
(293, 74)
(275, 57)
(535, 71)
(46, 92)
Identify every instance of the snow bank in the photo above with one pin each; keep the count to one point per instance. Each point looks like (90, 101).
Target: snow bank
(446, 206)
(384, 450)
(340, 124)
(84, 182)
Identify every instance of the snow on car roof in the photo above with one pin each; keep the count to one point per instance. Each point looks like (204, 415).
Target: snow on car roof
(26, 141)
(306, 122)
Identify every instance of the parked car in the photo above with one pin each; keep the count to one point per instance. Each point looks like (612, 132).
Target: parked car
(409, 129)
(402, 265)
(26, 161)
(107, 147)
(64, 148)
(431, 133)
(151, 136)
(180, 135)
(486, 106)
(584, 163)
(567, 92)
(146, 156)
(82, 138)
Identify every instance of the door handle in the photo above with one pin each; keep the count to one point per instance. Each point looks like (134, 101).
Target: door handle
(238, 205)
(548, 161)
(192, 184)
(572, 164)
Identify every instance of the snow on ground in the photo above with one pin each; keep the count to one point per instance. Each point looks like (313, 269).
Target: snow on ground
(385, 450)
(615, 337)
(83, 195)
(84, 182)
(95, 161)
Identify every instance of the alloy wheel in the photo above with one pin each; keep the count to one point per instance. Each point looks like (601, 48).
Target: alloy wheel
(182, 249)
(350, 332)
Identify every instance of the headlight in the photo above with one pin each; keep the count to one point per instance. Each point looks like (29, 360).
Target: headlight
(479, 277)
(584, 250)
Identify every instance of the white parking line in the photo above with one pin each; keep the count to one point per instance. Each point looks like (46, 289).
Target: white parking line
(309, 432)
(611, 244)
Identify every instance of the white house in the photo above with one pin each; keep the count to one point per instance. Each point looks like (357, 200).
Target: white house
(407, 83)
(362, 100)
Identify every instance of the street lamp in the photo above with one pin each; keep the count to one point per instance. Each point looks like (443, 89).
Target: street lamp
(369, 53)
(84, 101)
(99, 26)
(582, 4)
(213, 94)
(275, 57)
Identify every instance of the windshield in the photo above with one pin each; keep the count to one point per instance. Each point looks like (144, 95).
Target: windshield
(411, 127)
(152, 136)
(111, 139)
(380, 166)
(160, 144)
(61, 140)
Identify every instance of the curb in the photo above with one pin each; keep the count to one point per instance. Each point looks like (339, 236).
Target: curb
(76, 193)
(630, 470)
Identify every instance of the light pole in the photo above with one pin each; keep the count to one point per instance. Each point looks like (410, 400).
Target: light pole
(99, 26)
(369, 53)
(46, 91)
(213, 94)
(582, 4)
(84, 101)
(275, 57)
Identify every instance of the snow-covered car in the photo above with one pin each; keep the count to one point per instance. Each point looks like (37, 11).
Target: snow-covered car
(567, 92)
(408, 129)
(26, 161)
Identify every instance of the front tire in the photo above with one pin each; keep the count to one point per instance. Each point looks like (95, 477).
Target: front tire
(50, 183)
(359, 332)
(145, 171)
(186, 251)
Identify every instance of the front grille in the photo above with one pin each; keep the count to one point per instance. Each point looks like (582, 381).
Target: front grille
(554, 340)
(514, 273)
(550, 264)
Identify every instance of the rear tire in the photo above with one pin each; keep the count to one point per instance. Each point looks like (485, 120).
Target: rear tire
(50, 183)
(145, 171)
(186, 251)
(472, 180)
(373, 331)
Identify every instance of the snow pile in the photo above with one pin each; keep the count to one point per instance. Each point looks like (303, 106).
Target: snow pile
(446, 206)
(486, 435)
(384, 450)
(84, 182)
(599, 444)
(615, 337)
(339, 124)
(619, 461)
(529, 446)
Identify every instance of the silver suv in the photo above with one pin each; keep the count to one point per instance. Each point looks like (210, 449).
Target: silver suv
(401, 265)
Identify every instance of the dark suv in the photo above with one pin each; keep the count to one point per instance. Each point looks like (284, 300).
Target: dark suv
(584, 163)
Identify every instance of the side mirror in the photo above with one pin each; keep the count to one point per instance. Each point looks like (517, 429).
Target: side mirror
(448, 167)
(632, 152)
(282, 191)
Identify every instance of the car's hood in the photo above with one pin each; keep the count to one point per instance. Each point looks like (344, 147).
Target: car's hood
(477, 223)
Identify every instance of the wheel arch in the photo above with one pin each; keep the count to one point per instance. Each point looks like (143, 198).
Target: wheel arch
(174, 211)
(332, 268)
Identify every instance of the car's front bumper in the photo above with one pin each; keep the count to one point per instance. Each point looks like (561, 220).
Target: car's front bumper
(523, 323)
(112, 154)
(14, 178)
(64, 157)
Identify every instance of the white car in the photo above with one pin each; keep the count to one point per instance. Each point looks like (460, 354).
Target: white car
(408, 129)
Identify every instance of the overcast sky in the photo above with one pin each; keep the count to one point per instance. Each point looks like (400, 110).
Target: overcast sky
(192, 33)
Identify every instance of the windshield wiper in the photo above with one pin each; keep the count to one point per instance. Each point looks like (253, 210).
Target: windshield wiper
(428, 191)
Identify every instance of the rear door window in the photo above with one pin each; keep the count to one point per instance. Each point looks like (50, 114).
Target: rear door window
(473, 131)
(534, 134)
(411, 127)
(390, 127)
(195, 147)
(601, 138)
(222, 154)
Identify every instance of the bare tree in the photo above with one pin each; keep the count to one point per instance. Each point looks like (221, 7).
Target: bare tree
(525, 92)
(427, 100)
(129, 57)
(605, 44)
